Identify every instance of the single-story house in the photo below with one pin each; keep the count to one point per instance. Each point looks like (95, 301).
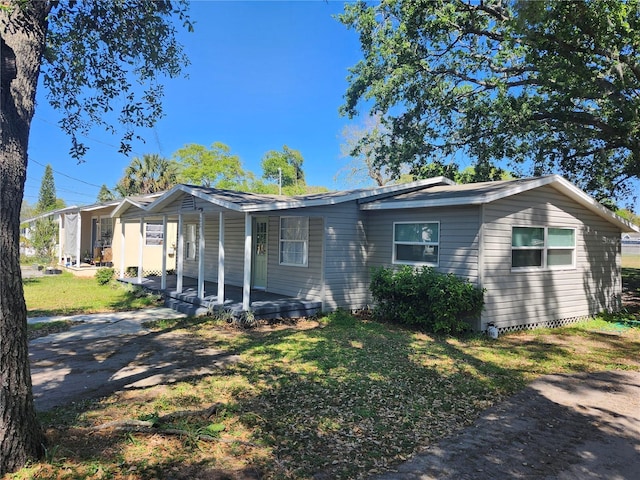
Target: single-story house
(545, 252)
(90, 238)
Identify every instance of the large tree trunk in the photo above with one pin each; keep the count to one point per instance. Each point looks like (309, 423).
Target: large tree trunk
(22, 32)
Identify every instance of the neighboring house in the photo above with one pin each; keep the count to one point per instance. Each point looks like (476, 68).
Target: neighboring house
(630, 244)
(90, 238)
(545, 252)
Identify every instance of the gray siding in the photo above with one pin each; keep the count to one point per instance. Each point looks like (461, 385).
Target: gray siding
(516, 298)
(295, 281)
(346, 277)
(459, 241)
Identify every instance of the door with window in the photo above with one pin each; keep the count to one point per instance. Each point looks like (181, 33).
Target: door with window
(259, 267)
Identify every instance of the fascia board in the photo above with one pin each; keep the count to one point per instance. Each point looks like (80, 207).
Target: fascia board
(172, 194)
(73, 208)
(590, 203)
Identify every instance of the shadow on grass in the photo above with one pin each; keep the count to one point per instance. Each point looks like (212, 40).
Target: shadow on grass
(351, 397)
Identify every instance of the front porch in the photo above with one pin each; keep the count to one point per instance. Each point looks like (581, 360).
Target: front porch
(264, 305)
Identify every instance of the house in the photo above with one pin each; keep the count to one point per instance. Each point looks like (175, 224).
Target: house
(545, 252)
(90, 238)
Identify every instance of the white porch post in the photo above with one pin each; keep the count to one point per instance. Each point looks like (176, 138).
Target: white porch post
(201, 246)
(60, 225)
(122, 247)
(246, 285)
(140, 249)
(180, 254)
(221, 259)
(78, 242)
(163, 279)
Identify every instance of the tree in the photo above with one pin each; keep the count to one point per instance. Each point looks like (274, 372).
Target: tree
(547, 83)
(286, 164)
(47, 194)
(105, 195)
(149, 174)
(45, 230)
(215, 166)
(89, 53)
(359, 144)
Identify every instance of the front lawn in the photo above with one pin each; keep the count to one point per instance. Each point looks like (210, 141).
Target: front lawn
(338, 397)
(65, 294)
(342, 397)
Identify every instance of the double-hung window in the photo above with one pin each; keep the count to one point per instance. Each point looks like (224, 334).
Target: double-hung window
(294, 241)
(543, 247)
(416, 243)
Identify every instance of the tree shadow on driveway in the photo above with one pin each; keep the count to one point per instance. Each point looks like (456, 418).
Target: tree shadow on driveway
(72, 371)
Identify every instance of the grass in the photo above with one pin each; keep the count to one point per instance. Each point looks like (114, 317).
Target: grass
(631, 261)
(65, 294)
(340, 397)
(343, 397)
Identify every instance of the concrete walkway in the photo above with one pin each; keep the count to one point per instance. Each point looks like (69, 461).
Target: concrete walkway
(113, 352)
(101, 325)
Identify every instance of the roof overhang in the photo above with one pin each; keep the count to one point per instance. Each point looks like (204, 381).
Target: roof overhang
(555, 181)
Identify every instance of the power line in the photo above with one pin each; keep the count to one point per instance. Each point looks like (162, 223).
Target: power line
(65, 175)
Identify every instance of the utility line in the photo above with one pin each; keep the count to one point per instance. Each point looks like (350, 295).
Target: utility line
(65, 175)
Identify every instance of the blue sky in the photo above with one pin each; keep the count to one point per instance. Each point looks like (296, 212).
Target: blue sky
(262, 75)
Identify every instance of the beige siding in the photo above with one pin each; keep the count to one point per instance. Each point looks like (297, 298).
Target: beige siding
(546, 297)
(151, 254)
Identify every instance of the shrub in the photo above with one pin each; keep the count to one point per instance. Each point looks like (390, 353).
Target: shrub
(423, 297)
(104, 275)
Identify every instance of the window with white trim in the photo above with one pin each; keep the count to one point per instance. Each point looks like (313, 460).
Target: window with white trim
(294, 241)
(190, 241)
(416, 243)
(153, 233)
(543, 247)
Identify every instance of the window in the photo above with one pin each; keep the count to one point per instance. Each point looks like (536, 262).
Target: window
(416, 243)
(542, 247)
(294, 240)
(153, 234)
(106, 231)
(190, 241)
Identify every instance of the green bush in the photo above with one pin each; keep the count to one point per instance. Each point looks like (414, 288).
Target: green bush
(104, 275)
(441, 303)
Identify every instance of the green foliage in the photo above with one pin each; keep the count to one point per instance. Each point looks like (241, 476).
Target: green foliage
(44, 237)
(288, 162)
(96, 51)
(425, 298)
(215, 166)
(548, 83)
(149, 174)
(105, 195)
(104, 275)
(47, 195)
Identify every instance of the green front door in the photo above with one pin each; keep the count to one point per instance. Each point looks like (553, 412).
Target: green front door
(259, 267)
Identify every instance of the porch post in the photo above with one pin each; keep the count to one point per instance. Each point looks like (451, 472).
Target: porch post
(163, 279)
(180, 254)
(221, 259)
(60, 250)
(140, 249)
(122, 247)
(246, 285)
(201, 257)
(79, 239)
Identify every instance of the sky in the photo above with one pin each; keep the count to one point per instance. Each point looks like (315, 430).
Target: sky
(262, 75)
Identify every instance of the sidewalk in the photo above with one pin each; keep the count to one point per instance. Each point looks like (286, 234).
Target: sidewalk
(101, 325)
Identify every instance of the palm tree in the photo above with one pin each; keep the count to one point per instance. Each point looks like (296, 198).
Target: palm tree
(149, 174)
